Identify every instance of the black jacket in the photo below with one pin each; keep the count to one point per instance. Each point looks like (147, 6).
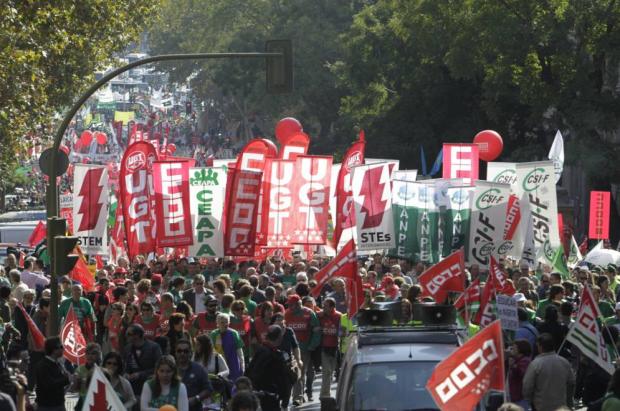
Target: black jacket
(52, 382)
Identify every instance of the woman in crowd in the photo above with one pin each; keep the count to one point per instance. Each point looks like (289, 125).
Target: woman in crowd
(113, 364)
(129, 317)
(176, 331)
(228, 343)
(519, 358)
(184, 308)
(165, 388)
(83, 373)
(214, 363)
(265, 312)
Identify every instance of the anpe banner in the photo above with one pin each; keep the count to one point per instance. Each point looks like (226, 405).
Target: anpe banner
(460, 381)
(536, 181)
(402, 194)
(458, 219)
(460, 161)
(488, 215)
(174, 224)
(137, 196)
(405, 175)
(242, 199)
(599, 215)
(90, 207)
(207, 191)
(372, 192)
(310, 190)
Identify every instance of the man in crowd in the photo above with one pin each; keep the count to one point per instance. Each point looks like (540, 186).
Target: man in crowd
(140, 357)
(51, 393)
(193, 375)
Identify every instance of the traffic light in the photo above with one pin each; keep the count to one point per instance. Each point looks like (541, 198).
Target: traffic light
(279, 68)
(64, 260)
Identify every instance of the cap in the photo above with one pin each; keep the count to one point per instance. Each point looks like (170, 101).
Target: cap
(293, 299)
(519, 297)
(209, 299)
(156, 278)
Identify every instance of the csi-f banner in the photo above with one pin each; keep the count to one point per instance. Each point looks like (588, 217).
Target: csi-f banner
(504, 173)
(372, 192)
(447, 275)
(599, 215)
(460, 381)
(90, 207)
(460, 161)
(207, 191)
(137, 198)
(242, 199)
(536, 182)
(174, 225)
(488, 215)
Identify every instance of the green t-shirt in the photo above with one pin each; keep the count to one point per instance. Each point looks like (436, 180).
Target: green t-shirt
(217, 340)
(611, 404)
(82, 309)
(289, 280)
(607, 310)
(250, 306)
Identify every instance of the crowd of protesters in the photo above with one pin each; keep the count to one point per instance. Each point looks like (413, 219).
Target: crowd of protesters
(217, 333)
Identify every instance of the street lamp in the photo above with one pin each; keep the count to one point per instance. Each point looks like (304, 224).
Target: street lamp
(279, 76)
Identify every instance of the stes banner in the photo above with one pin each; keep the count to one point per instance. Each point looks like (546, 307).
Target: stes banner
(90, 208)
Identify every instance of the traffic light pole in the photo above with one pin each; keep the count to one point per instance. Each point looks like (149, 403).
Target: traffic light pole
(52, 188)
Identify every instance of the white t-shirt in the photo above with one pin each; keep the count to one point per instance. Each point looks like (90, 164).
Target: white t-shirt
(182, 402)
(200, 303)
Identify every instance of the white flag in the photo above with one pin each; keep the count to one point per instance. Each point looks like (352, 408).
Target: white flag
(574, 256)
(101, 395)
(556, 154)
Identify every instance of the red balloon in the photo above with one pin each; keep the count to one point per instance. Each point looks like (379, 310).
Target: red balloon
(86, 137)
(101, 138)
(172, 148)
(286, 128)
(490, 144)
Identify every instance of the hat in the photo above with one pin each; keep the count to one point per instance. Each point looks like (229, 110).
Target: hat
(210, 298)
(156, 278)
(293, 299)
(121, 270)
(519, 297)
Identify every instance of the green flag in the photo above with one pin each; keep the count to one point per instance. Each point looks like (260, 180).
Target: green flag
(559, 264)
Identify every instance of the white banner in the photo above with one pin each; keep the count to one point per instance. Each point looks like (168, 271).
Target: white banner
(101, 395)
(504, 173)
(372, 197)
(488, 215)
(536, 182)
(90, 208)
(405, 175)
(207, 190)
(507, 312)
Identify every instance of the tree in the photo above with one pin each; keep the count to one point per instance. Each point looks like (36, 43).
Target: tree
(49, 52)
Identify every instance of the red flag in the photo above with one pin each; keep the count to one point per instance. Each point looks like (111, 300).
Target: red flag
(460, 160)
(73, 340)
(22, 259)
(344, 265)
(38, 234)
(137, 198)
(355, 289)
(599, 215)
(99, 262)
(485, 314)
(460, 381)
(82, 274)
(38, 339)
(513, 216)
(446, 275)
(500, 279)
(465, 301)
(345, 212)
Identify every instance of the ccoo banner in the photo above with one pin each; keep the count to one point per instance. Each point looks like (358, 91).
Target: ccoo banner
(599, 215)
(242, 200)
(207, 190)
(372, 192)
(171, 183)
(488, 214)
(460, 161)
(90, 208)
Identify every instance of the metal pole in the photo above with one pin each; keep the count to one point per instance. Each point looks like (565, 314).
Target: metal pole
(52, 189)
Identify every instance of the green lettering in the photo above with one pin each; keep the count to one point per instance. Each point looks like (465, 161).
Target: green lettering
(204, 209)
(202, 235)
(202, 195)
(206, 250)
(205, 222)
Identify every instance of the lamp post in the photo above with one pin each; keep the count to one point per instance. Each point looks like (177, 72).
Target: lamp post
(279, 80)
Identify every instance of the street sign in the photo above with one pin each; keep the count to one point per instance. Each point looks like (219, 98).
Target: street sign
(45, 162)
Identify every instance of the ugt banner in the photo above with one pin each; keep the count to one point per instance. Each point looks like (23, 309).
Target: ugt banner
(277, 185)
(488, 215)
(242, 199)
(207, 190)
(372, 191)
(137, 197)
(90, 207)
(171, 181)
(599, 215)
(460, 161)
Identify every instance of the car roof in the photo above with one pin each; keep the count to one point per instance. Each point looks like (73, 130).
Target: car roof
(403, 352)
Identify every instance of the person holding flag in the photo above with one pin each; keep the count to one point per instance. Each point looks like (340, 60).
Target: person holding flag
(83, 310)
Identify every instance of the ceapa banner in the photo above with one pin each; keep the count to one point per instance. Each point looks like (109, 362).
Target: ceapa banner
(207, 190)
(90, 207)
(599, 215)
(536, 183)
(171, 183)
(460, 161)
(311, 199)
(488, 215)
(242, 199)
(137, 197)
(372, 191)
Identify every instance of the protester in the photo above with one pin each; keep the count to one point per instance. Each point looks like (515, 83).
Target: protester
(518, 361)
(193, 375)
(164, 388)
(50, 396)
(227, 342)
(113, 364)
(140, 357)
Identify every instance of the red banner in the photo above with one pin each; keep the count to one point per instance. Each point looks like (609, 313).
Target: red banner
(465, 301)
(38, 234)
(513, 216)
(174, 223)
(277, 222)
(295, 145)
(137, 197)
(446, 275)
(38, 339)
(345, 210)
(599, 215)
(72, 338)
(343, 265)
(460, 381)
(500, 279)
(485, 314)
(460, 161)
(242, 197)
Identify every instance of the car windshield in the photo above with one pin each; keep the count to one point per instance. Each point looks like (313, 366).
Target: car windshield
(391, 386)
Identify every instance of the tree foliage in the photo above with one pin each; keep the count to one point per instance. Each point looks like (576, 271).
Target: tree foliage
(49, 52)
